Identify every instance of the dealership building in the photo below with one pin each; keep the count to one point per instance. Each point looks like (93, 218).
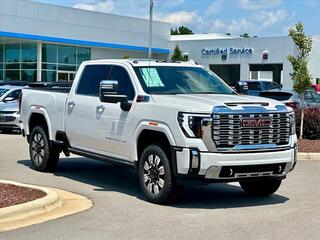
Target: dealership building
(42, 42)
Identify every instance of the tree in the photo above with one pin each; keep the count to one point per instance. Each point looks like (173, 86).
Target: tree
(182, 30)
(177, 54)
(228, 34)
(245, 35)
(300, 74)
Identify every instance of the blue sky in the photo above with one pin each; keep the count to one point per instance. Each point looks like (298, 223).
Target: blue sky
(256, 17)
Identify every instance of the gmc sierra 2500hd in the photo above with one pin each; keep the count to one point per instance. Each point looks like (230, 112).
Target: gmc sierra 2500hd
(170, 120)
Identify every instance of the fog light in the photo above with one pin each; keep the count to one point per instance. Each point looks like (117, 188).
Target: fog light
(194, 159)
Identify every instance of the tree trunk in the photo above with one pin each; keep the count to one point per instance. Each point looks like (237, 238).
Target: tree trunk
(302, 116)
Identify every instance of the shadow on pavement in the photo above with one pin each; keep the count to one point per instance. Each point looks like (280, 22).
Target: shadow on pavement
(107, 177)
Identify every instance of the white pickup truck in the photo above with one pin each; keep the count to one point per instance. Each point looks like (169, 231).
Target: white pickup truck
(172, 121)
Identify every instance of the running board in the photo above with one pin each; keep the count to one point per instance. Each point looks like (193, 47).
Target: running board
(102, 157)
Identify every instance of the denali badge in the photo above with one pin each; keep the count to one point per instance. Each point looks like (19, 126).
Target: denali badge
(256, 122)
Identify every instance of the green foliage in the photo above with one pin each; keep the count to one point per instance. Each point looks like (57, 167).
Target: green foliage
(177, 54)
(182, 30)
(245, 35)
(300, 74)
(126, 56)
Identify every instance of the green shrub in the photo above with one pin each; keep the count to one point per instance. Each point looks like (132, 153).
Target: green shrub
(311, 128)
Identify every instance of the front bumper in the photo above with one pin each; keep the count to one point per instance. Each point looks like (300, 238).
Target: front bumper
(233, 166)
(10, 121)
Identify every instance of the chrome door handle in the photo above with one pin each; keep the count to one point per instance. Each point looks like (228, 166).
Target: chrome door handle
(100, 108)
(71, 105)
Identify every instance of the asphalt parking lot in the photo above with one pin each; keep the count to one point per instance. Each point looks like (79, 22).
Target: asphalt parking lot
(215, 211)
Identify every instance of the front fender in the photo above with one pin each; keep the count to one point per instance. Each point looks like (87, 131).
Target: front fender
(154, 126)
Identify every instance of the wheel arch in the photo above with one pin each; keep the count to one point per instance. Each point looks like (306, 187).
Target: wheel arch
(37, 118)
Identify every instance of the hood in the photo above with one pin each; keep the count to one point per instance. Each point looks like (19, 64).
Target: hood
(9, 107)
(205, 102)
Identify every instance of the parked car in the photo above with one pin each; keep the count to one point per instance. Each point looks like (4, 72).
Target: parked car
(172, 121)
(292, 99)
(256, 86)
(9, 116)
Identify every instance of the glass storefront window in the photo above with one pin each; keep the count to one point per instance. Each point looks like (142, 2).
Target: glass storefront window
(83, 54)
(1, 74)
(29, 75)
(12, 52)
(28, 52)
(13, 66)
(67, 67)
(29, 65)
(49, 66)
(13, 75)
(66, 54)
(49, 53)
(49, 76)
(1, 53)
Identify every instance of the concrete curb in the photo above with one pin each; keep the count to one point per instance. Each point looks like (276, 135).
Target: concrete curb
(29, 209)
(309, 156)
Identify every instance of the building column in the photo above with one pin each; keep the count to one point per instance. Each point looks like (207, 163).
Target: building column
(244, 71)
(39, 61)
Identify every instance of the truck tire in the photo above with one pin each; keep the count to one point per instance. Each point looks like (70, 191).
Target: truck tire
(261, 187)
(43, 154)
(155, 175)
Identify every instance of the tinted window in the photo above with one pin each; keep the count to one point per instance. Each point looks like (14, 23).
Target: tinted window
(3, 91)
(90, 79)
(125, 85)
(254, 86)
(270, 85)
(15, 94)
(308, 97)
(280, 96)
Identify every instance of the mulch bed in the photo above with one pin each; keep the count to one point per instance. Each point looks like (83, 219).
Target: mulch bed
(305, 145)
(12, 195)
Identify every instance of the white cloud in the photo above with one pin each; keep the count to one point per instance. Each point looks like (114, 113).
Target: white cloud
(270, 18)
(180, 17)
(106, 6)
(215, 7)
(252, 24)
(258, 4)
(172, 3)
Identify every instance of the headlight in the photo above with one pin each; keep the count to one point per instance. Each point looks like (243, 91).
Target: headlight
(191, 124)
(293, 123)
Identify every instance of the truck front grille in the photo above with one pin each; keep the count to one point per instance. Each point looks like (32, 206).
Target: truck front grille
(229, 130)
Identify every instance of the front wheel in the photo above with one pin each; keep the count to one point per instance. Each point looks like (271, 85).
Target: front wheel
(155, 175)
(43, 154)
(261, 187)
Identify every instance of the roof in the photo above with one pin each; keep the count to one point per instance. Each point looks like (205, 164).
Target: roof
(10, 87)
(145, 62)
(202, 36)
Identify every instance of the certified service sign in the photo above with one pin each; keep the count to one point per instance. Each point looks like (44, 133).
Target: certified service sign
(226, 51)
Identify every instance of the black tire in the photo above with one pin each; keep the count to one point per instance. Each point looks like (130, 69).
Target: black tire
(155, 175)
(44, 156)
(261, 187)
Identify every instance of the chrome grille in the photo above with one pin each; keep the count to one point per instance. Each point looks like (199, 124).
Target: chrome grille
(227, 130)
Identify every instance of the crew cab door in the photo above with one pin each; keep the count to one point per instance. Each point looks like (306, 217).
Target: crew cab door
(98, 127)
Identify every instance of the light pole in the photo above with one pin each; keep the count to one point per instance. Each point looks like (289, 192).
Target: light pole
(150, 30)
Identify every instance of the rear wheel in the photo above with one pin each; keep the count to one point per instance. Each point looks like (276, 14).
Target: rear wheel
(261, 187)
(43, 154)
(155, 175)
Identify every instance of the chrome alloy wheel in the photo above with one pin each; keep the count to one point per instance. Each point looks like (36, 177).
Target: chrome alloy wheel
(37, 148)
(154, 174)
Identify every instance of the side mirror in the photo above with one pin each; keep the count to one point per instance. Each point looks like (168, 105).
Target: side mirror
(242, 88)
(109, 94)
(8, 99)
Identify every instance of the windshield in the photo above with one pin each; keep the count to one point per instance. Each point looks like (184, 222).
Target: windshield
(180, 80)
(3, 91)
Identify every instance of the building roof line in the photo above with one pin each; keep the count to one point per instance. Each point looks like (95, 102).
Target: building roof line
(81, 42)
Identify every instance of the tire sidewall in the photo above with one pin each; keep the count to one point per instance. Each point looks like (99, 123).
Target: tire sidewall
(165, 195)
(42, 166)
